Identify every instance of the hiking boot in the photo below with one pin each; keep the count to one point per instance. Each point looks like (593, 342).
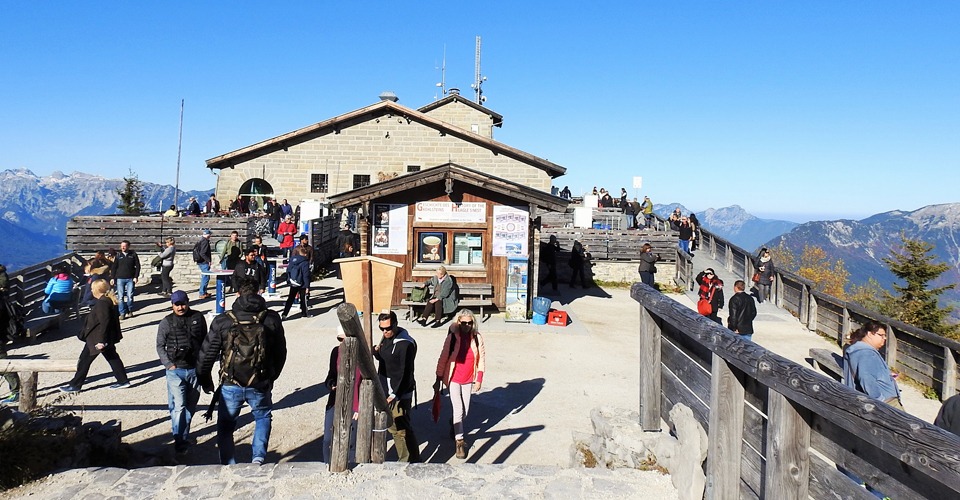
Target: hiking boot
(12, 398)
(461, 449)
(257, 461)
(69, 389)
(204, 296)
(121, 385)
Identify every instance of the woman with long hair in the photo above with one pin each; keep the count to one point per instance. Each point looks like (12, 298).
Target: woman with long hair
(767, 272)
(101, 334)
(648, 261)
(460, 367)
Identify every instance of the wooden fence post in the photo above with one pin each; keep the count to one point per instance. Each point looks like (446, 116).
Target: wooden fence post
(343, 405)
(844, 326)
(28, 390)
(365, 422)
(378, 445)
(787, 468)
(804, 307)
(649, 371)
(891, 347)
(813, 322)
(726, 430)
(949, 373)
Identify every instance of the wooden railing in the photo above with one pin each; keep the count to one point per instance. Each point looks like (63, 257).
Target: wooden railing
(374, 413)
(924, 356)
(778, 429)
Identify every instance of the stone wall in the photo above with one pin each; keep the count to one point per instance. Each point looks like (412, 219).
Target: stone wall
(465, 117)
(625, 271)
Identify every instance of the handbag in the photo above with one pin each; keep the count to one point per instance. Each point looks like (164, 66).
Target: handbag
(156, 262)
(704, 307)
(418, 295)
(756, 277)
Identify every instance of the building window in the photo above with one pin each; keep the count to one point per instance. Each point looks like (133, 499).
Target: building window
(360, 181)
(468, 249)
(413, 168)
(318, 183)
(433, 247)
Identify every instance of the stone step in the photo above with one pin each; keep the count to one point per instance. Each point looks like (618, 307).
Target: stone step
(312, 480)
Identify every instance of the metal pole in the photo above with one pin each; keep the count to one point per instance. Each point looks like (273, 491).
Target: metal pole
(176, 188)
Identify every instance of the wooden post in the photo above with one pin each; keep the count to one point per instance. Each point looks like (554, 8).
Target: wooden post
(813, 321)
(804, 307)
(28, 391)
(844, 326)
(726, 430)
(649, 371)
(787, 468)
(365, 422)
(891, 347)
(949, 372)
(713, 248)
(747, 268)
(378, 445)
(343, 405)
(728, 260)
(366, 302)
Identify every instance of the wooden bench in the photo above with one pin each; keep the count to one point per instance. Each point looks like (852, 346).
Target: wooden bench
(28, 370)
(828, 362)
(470, 295)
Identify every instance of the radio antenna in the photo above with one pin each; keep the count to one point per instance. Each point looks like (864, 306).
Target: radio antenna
(477, 78)
(443, 76)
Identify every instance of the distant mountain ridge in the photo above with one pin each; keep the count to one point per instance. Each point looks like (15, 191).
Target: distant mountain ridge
(34, 210)
(863, 244)
(734, 224)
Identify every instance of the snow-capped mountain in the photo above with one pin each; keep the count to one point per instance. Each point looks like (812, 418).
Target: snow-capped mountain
(34, 210)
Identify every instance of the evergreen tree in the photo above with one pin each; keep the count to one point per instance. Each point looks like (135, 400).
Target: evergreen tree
(131, 195)
(914, 302)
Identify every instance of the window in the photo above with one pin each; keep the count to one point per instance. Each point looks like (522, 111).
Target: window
(318, 183)
(360, 181)
(413, 168)
(468, 249)
(433, 247)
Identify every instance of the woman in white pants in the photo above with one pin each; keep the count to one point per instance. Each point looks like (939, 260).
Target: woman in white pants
(460, 368)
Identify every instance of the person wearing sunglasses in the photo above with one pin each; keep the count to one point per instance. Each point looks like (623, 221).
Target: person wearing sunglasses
(460, 367)
(397, 353)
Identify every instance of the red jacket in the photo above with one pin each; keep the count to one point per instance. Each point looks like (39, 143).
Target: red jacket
(286, 230)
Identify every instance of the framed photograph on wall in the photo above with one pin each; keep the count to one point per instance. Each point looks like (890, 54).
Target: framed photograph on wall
(432, 247)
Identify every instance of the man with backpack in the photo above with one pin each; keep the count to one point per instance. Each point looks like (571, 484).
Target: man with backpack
(203, 257)
(249, 344)
(179, 338)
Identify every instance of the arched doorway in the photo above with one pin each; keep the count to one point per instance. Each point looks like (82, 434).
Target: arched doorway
(253, 194)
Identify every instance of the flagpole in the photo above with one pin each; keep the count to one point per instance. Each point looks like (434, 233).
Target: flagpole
(176, 188)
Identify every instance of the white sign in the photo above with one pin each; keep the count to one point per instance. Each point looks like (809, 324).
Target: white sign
(510, 231)
(389, 229)
(448, 211)
(637, 182)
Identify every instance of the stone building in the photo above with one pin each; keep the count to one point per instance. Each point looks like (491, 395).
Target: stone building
(373, 144)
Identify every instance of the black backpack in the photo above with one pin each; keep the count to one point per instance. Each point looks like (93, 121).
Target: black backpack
(243, 352)
(197, 256)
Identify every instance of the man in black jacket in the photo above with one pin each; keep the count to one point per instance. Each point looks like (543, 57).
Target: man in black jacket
(250, 268)
(249, 311)
(179, 338)
(126, 272)
(205, 256)
(397, 353)
(741, 311)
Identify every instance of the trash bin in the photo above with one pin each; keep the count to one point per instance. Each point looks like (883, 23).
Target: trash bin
(541, 306)
(539, 319)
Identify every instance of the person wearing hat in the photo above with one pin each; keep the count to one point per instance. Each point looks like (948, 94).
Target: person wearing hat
(203, 256)
(193, 208)
(179, 338)
(285, 233)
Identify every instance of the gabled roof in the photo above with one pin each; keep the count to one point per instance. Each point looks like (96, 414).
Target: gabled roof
(456, 173)
(335, 124)
(497, 117)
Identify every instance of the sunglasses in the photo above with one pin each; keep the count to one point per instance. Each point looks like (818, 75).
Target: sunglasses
(386, 328)
(468, 323)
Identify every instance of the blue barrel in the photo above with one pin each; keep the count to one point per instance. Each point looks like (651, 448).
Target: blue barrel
(541, 305)
(539, 319)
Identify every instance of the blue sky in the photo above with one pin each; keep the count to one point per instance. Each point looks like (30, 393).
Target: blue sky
(790, 109)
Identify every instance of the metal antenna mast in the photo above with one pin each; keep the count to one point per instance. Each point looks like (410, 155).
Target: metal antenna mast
(443, 75)
(477, 78)
(176, 188)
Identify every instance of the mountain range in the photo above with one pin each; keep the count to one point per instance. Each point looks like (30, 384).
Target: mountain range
(34, 210)
(734, 224)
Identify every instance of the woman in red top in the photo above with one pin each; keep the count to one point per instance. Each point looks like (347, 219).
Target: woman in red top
(285, 232)
(460, 368)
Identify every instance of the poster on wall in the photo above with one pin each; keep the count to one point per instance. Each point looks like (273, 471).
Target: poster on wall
(516, 293)
(389, 229)
(510, 231)
(432, 247)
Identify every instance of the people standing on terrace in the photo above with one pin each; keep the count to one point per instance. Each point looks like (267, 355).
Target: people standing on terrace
(695, 224)
(767, 272)
(648, 261)
(711, 291)
(285, 232)
(126, 273)
(565, 193)
(212, 207)
(100, 334)
(579, 257)
(606, 201)
(397, 353)
(741, 311)
(194, 207)
(232, 252)
(686, 234)
(298, 277)
(249, 268)
(629, 212)
(179, 338)
(203, 256)
(674, 219)
(460, 368)
(647, 209)
(166, 266)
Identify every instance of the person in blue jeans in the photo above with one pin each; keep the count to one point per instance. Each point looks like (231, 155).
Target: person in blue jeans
(203, 253)
(244, 378)
(126, 271)
(179, 339)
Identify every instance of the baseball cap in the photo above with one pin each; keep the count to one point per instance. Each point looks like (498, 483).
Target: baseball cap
(207, 231)
(179, 297)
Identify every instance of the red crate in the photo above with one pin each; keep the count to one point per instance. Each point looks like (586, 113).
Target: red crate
(557, 318)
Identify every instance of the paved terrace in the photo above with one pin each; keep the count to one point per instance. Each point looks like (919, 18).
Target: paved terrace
(540, 385)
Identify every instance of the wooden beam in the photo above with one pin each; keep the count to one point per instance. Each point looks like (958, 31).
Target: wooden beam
(365, 422)
(787, 468)
(726, 430)
(343, 405)
(650, 367)
(949, 373)
(378, 445)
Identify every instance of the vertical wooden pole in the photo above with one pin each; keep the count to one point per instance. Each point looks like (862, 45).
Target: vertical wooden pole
(343, 405)
(365, 422)
(949, 371)
(726, 431)
(891, 347)
(844, 326)
(813, 321)
(649, 371)
(28, 391)
(787, 468)
(804, 306)
(378, 445)
(366, 274)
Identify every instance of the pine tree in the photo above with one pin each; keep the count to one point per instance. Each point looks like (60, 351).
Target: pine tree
(131, 195)
(914, 302)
